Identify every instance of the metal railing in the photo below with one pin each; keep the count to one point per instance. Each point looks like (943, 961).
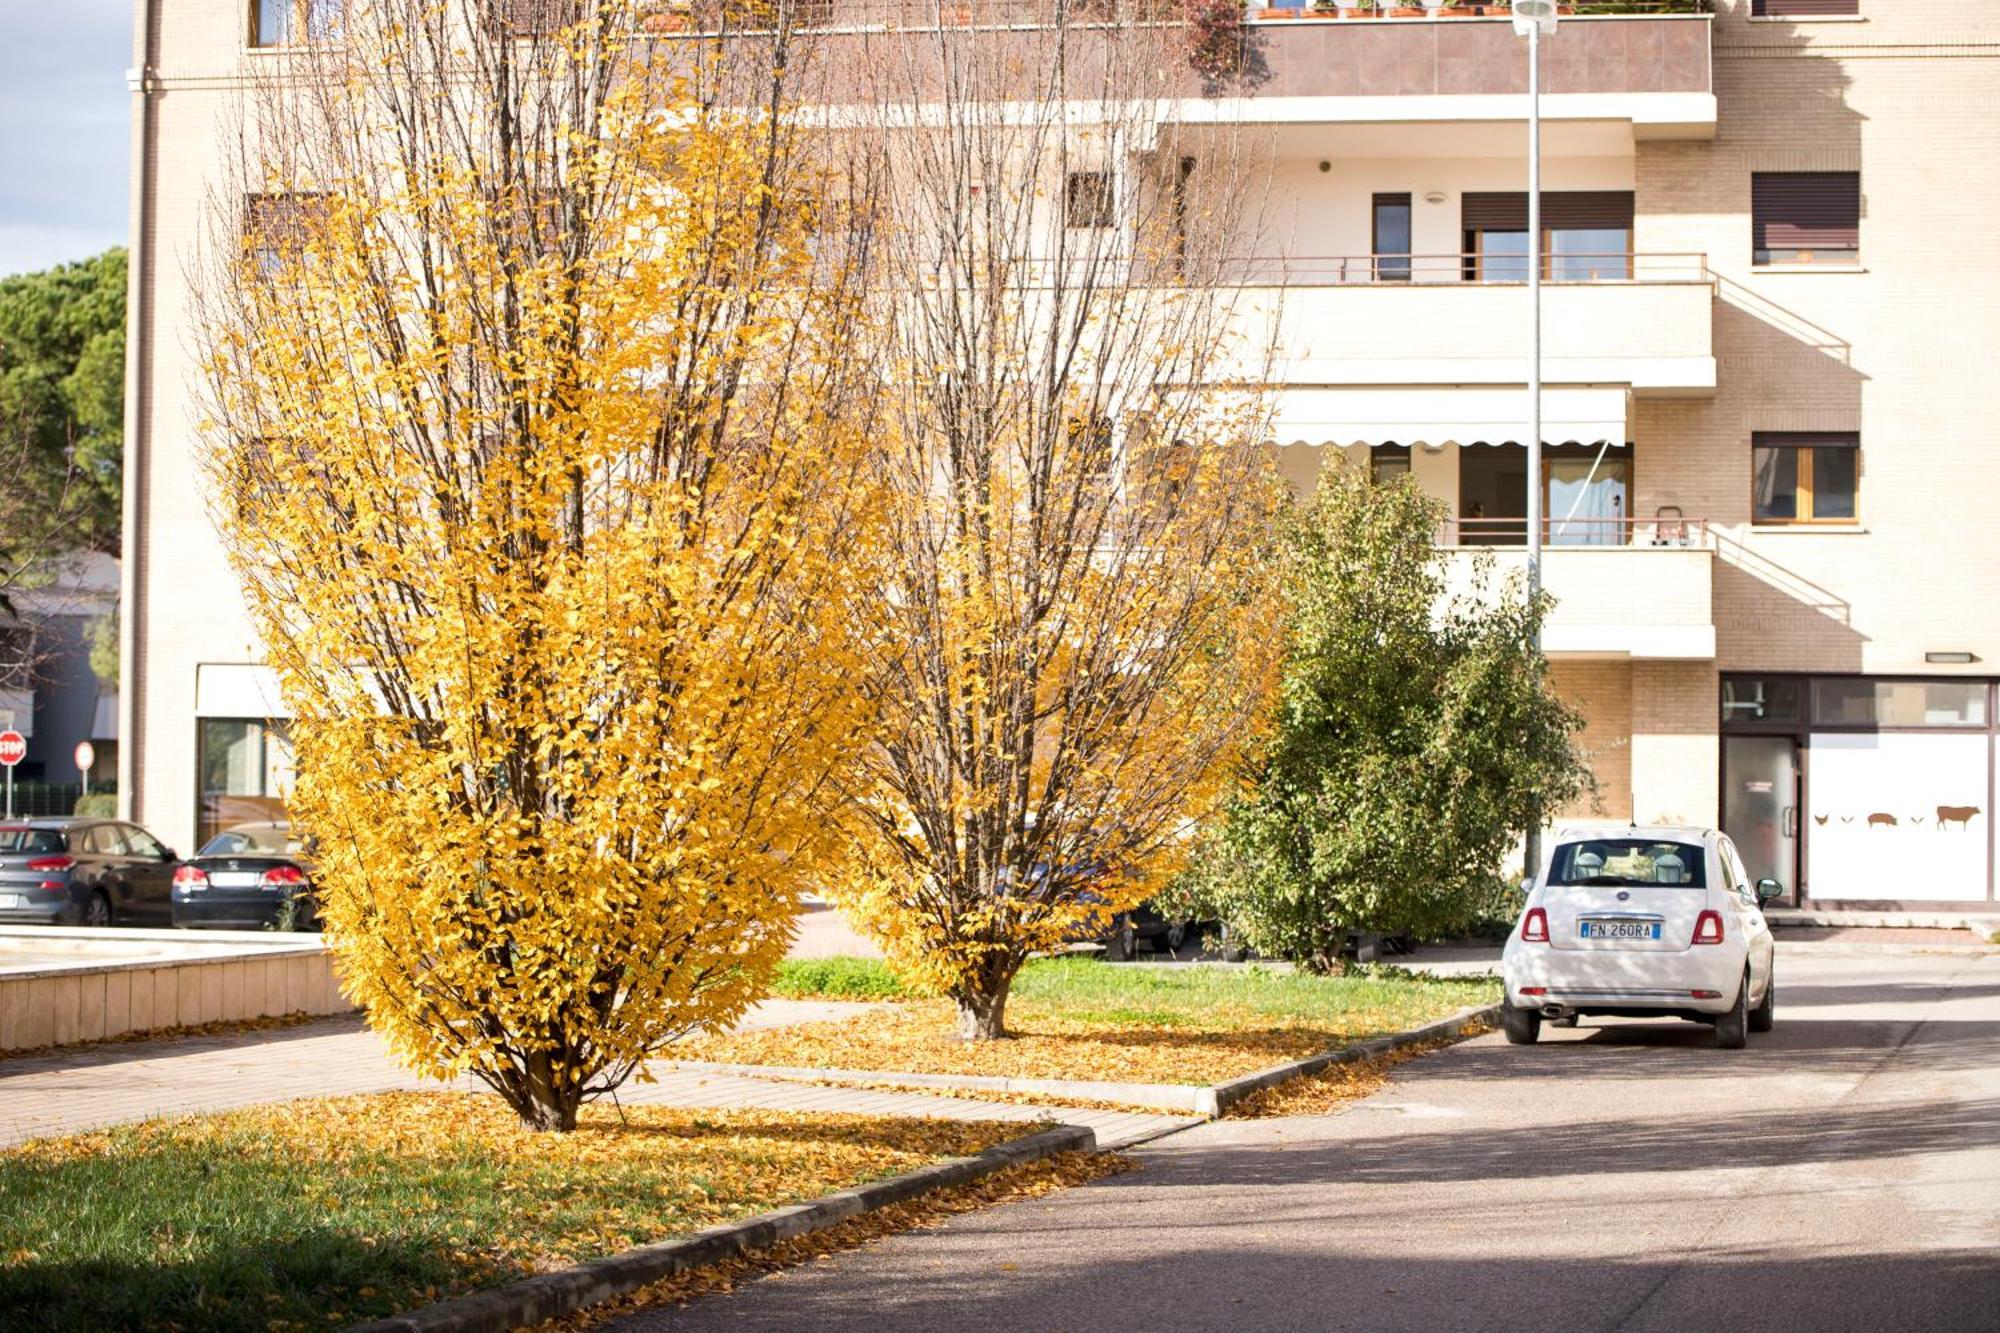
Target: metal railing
(1666, 529)
(1488, 269)
(1400, 9)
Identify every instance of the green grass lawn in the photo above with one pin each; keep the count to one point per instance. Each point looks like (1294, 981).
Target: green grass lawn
(1081, 1018)
(322, 1213)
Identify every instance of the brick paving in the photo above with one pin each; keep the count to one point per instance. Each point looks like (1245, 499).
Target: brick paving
(66, 1092)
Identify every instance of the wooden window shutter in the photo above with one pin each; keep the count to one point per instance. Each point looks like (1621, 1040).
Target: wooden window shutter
(1806, 210)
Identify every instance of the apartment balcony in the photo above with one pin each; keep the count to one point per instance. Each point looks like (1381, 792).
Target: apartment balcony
(1641, 63)
(1625, 589)
(1643, 322)
(1649, 67)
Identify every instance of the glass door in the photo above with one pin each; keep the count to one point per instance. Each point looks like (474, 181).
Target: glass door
(1586, 501)
(1760, 805)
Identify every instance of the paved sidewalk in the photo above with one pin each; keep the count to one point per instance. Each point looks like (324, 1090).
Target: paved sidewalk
(119, 1082)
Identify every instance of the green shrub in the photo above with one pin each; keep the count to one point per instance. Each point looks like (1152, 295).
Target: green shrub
(98, 805)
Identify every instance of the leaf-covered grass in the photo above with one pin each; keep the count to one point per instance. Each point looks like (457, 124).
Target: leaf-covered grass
(319, 1213)
(1081, 1018)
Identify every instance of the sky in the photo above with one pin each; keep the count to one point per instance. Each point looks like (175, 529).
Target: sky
(65, 129)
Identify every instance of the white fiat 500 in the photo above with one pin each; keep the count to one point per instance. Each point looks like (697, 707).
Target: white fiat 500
(1642, 923)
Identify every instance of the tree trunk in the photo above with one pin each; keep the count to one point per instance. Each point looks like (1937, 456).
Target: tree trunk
(543, 1102)
(982, 1007)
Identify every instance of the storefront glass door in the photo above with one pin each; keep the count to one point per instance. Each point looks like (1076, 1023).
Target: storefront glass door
(1760, 805)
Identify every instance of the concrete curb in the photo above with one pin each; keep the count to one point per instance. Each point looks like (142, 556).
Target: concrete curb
(552, 1294)
(1225, 1095)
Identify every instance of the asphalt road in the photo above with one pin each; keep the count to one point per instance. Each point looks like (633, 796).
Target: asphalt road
(1842, 1173)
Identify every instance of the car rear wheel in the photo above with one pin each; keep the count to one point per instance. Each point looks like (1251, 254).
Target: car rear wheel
(1732, 1030)
(97, 912)
(1522, 1026)
(1765, 1016)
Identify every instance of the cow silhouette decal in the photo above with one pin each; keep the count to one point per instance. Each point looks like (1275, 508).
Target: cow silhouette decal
(1956, 814)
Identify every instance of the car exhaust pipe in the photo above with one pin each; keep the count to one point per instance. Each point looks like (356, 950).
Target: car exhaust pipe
(1552, 1011)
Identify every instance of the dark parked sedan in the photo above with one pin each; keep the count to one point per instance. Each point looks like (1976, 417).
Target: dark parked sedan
(250, 877)
(90, 872)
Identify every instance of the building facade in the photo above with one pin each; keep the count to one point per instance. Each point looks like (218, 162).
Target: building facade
(1765, 340)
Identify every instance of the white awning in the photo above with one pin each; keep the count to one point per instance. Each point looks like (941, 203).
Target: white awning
(1438, 417)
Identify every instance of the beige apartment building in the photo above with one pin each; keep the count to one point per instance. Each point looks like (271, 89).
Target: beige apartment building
(1773, 515)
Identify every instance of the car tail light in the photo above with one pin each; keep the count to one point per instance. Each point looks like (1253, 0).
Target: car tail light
(1534, 990)
(1708, 928)
(1535, 926)
(282, 877)
(1706, 994)
(52, 864)
(190, 877)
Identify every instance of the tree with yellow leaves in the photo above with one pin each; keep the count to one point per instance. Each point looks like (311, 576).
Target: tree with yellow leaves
(1076, 632)
(529, 440)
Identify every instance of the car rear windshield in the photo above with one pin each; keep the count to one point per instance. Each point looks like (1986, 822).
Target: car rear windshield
(1639, 862)
(263, 841)
(30, 840)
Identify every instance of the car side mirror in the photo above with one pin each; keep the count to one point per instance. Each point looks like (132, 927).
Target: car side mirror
(169, 854)
(1527, 885)
(1769, 890)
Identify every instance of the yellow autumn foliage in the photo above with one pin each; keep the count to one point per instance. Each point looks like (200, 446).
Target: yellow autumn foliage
(528, 443)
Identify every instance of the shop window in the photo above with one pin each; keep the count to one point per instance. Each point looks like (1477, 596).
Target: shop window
(1899, 703)
(245, 771)
(1805, 477)
(1763, 699)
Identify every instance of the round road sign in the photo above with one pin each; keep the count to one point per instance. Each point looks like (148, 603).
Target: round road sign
(13, 748)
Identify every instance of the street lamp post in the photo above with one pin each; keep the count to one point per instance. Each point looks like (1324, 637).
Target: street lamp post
(1533, 18)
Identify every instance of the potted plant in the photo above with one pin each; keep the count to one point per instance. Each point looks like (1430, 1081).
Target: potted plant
(1360, 9)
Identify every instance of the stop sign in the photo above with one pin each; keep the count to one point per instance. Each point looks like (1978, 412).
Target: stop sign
(13, 748)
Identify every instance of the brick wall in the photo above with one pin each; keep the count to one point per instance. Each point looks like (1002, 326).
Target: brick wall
(1602, 692)
(1900, 350)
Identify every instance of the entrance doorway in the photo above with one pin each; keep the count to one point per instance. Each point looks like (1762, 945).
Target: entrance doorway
(1760, 805)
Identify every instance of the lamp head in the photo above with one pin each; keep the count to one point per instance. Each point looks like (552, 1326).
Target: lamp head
(1533, 15)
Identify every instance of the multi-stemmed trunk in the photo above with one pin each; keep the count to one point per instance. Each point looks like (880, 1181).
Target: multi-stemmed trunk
(982, 1001)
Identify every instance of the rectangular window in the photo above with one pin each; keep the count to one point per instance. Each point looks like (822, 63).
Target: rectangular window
(1805, 217)
(1899, 703)
(278, 227)
(1586, 235)
(288, 22)
(245, 771)
(1392, 238)
(1388, 462)
(1763, 699)
(1805, 476)
(1087, 199)
(1799, 9)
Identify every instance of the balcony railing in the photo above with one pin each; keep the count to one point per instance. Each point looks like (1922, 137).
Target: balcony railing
(921, 14)
(1667, 529)
(1394, 270)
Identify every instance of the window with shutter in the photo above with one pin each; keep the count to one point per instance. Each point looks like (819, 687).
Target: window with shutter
(1803, 9)
(1805, 217)
(1586, 235)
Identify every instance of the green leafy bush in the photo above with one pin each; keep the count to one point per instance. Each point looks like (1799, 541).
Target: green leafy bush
(1416, 738)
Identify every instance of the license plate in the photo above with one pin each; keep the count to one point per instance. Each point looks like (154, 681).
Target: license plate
(1620, 930)
(10, 900)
